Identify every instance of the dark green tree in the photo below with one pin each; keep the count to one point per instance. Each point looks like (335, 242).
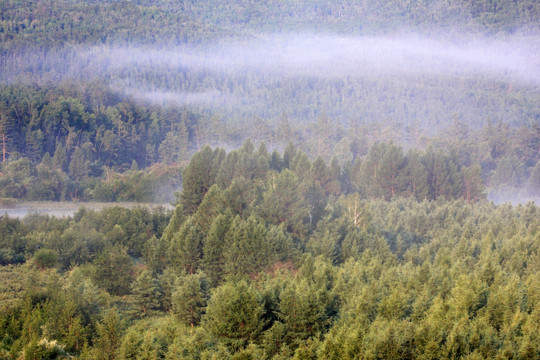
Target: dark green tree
(114, 270)
(108, 336)
(146, 294)
(190, 297)
(233, 315)
(199, 176)
(185, 251)
(213, 261)
(246, 248)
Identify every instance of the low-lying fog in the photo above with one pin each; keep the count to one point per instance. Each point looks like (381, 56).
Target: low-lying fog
(66, 208)
(514, 59)
(406, 78)
(268, 57)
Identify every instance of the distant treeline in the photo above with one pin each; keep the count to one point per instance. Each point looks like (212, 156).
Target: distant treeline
(47, 24)
(75, 142)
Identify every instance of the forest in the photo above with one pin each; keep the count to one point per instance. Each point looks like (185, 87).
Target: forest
(349, 179)
(108, 101)
(269, 256)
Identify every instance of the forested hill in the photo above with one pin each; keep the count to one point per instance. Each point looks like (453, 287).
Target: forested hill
(100, 98)
(56, 23)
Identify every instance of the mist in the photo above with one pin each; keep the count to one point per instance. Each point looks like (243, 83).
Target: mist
(405, 77)
(514, 59)
(511, 59)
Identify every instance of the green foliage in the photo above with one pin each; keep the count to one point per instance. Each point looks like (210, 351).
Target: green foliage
(185, 251)
(213, 261)
(147, 293)
(246, 247)
(43, 350)
(233, 315)
(388, 251)
(45, 258)
(114, 270)
(198, 177)
(108, 336)
(190, 297)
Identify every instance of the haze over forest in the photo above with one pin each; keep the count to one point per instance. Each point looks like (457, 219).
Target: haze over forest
(361, 68)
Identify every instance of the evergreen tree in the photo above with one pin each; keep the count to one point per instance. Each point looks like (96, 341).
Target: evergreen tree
(283, 203)
(130, 346)
(198, 177)
(213, 261)
(246, 250)
(190, 298)
(114, 270)
(108, 336)
(185, 251)
(473, 187)
(59, 158)
(78, 166)
(212, 205)
(174, 225)
(155, 254)
(146, 294)
(233, 315)
(415, 176)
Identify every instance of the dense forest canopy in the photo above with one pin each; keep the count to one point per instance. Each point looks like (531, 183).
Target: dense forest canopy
(331, 166)
(268, 256)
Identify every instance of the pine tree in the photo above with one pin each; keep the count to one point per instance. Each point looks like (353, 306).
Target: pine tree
(284, 203)
(78, 166)
(146, 294)
(212, 205)
(234, 313)
(130, 346)
(246, 250)
(108, 336)
(190, 297)
(174, 225)
(114, 270)
(59, 158)
(185, 251)
(213, 261)
(155, 254)
(473, 186)
(198, 177)
(416, 176)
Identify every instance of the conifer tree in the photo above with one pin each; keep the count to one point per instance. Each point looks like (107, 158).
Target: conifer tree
(59, 158)
(114, 270)
(78, 167)
(212, 205)
(198, 177)
(175, 223)
(146, 294)
(246, 247)
(233, 315)
(155, 254)
(190, 297)
(185, 251)
(108, 336)
(213, 261)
